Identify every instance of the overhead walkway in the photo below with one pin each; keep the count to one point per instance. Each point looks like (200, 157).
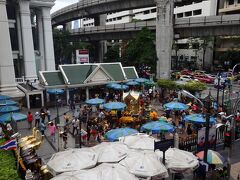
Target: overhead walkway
(184, 27)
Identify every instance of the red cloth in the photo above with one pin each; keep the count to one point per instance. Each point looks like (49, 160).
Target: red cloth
(30, 117)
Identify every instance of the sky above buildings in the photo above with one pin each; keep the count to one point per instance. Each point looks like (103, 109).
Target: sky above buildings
(62, 3)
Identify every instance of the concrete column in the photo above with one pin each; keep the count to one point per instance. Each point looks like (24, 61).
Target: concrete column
(101, 45)
(42, 99)
(87, 93)
(68, 96)
(19, 33)
(28, 101)
(27, 40)
(48, 39)
(164, 37)
(41, 40)
(7, 74)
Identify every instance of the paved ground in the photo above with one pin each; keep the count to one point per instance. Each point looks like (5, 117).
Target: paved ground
(48, 148)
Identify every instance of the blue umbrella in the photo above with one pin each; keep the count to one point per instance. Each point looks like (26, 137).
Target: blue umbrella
(175, 106)
(7, 103)
(198, 119)
(120, 87)
(3, 97)
(114, 134)
(95, 101)
(12, 116)
(132, 83)
(111, 85)
(157, 127)
(141, 80)
(7, 109)
(114, 106)
(55, 91)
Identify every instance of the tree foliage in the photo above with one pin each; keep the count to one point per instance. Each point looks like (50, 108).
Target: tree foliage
(167, 84)
(193, 86)
(8, 169)
(112, 54)
(64, 50)
(141, 50)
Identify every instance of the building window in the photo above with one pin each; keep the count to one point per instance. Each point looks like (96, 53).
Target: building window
(146, 12)
(153, 10)
(188, 13)
(183, 46)
(180, 15)
(119, 18)
(197, 12)
(230, 2)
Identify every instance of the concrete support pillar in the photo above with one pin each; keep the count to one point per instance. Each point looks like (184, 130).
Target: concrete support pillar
(67, 96)
(28, 101)
(48, 39)
(42, 99)
(209, 56)
(164, 37)
(7, 74)
(87, 93)
(67, 26)
(41, 40)
(101, 45)
(27, 39)
(19, 33)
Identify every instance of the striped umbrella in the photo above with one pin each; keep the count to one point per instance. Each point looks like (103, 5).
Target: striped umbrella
(157, 127)
(7, 109)
(114, 134)
(7, 103)
(114, 106)
(12, 116)
(95, 101)
(198, 119)
(3, 97)
(213, 157)
(175, 106)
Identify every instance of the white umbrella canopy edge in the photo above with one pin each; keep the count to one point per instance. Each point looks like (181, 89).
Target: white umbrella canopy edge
(72, 160)
(144, 163)
(105, 171)
(110, 151)
(179, 161)
(140, 141)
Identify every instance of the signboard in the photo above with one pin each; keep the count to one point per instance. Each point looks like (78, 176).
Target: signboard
(211, 138)
(163, 145)
(82, 56)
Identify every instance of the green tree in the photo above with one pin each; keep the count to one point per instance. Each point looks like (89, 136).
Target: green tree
(112, 54)
(64, 50)
(203, 44)
(194, 86)
(166, 84)
(141, 50)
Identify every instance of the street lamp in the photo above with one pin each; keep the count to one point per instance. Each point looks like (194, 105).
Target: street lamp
(208, 106)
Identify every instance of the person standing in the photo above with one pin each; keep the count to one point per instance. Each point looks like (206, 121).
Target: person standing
(29, 119)
(65, 137)
(42, 127)
(37, 119)
(52, 130)
(42, 114)
(75, 124)
(48, 112)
